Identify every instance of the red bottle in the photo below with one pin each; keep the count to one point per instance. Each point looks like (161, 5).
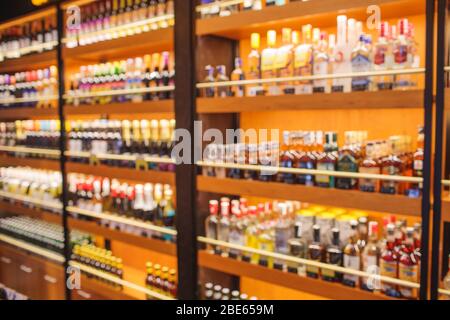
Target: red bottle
(389, 263)
(408, 266)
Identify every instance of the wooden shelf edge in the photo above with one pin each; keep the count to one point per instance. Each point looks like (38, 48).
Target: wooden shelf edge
(29, 62)
(145, 243)
(353, 100)
(30, 212)
(445, 209)
(123, 173)
(152, 40)
(394, 204)
(103, 289)
(162, 106)
(314, 286)
(26, 113)
(300, 12)
(29, 162)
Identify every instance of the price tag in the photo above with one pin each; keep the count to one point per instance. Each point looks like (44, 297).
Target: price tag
(94, 160)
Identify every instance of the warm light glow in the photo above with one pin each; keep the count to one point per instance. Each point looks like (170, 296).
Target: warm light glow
(39, 2)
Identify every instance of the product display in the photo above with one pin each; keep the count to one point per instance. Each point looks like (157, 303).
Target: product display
(150, 203)
(110, 19)
(32, 37)
(95, 84)
(317, 150)
(40, 233)
(320, 54)
(332, 236)
(161, 279)
(34, 89)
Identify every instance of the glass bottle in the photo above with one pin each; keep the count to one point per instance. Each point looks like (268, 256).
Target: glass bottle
(209, 92)
(303, 61)
(352, 257)
(361, 62)
(223, 230)
(326, 161)
(382, 59)
(369, 165)
(315, 253)
(222, 91)
(283, 232)
(297, 248)
(268, 58)
(370, 257)
(416, 188)
(348, 161)
(391, 165)
(341, 57)
(254, 66)
(333, 257)
(389, 263)
(284, 61)
(237, 75)
(408, 266)
(320, 62)
(401, 61)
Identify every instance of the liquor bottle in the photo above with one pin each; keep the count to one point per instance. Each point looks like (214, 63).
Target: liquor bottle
(416, 189)
(401, 61)
(408, 266)
(223, 230)
(209, 92)
(222, 91)
(284, 61)
(297, 248)
(369, 165)
(303, 61)
(165, 76)
(389, 263)
(348, 161)
(341, 57)
(370, 258)
(236, 234)
(326, 160)
(315, 253)
(361, 62)
(352, 257)
(333, 257)
(168, 218)
(237, 75)
(391, 165)
(306, 159)
(286, 159)
(212, 221)
(254, 66)
(268, 58)
(383, 58)
(283, 232)
(266, 243)
(320, 62)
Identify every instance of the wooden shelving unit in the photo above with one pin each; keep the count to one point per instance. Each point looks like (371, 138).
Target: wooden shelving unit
(322, 13)
(146, 243)
(355, 100)
(158, 40)
(162, 106)
(29, 162)
(288, 280)
(395, 204)
(13, 113)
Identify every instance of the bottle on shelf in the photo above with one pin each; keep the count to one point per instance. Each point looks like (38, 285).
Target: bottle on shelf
(408, 266)
(333, 257)
(389, 263)
(315, 253)
(268, 58)
(352, 258)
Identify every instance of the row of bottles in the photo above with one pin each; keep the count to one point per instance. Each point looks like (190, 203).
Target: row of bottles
(213, 291)
(150, 72)
(98, 258)
(142, 202)
(31, 37)
(320, 54)
(161, 279)
(37, 184)
(30, 133)
(40, 233)
(114, 137)
(215, 9)
(38, 88)
(111, 19)
(333, 236)
(308, 150)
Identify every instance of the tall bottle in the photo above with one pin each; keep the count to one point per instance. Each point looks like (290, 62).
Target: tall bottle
(320, 62)
(342, 56)
(348, 161)
(297, 248)
(237, 75)
(268, 58)
(369, 165)
(401, 61)
(315, 253)
(389, 263)
(361, 62)
(370, 258)
(212, 221)
(326, 161)
(383, 58)
(284, 61)
(408, 266)
(254, 66)
(352, 257)
(303, 61)
(333, 257)
(223, 230)
(283, 232)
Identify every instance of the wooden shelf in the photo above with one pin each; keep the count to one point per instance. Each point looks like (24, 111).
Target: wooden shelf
(445, 209)
(395, 204)
(321, 13)
(146, 243)
(29, 162)
(162, 106)
(314, 286)
(29, 212)
(94, 289)
(158, 40)
(29, 62)
(123, 173)
(27, 113)
(353, 100)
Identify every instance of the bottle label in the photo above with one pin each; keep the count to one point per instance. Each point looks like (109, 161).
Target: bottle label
(408, 273)
(380, 56)
(401, 54)
(282, 59)
(418, 164)
(324, 166)
(388, 269)
(302, 56)
(351, 262)
(268, 59)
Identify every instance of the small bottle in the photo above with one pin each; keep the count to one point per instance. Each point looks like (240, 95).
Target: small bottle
(237, 75)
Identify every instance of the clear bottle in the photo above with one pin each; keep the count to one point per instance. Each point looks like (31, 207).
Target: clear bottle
(224, 91)
(223, 230)
(303, 61)
(268, 58)
(370, 258)
(361, 62)
(341, 57)
(321, 62)
(209, 92)
(383, 58)
(401, 48)
(389, 263)
(283, 232)
(352, 257)
(284, 61)
(212, 221)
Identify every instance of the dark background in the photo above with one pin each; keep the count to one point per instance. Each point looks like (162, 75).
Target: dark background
(13, 8)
